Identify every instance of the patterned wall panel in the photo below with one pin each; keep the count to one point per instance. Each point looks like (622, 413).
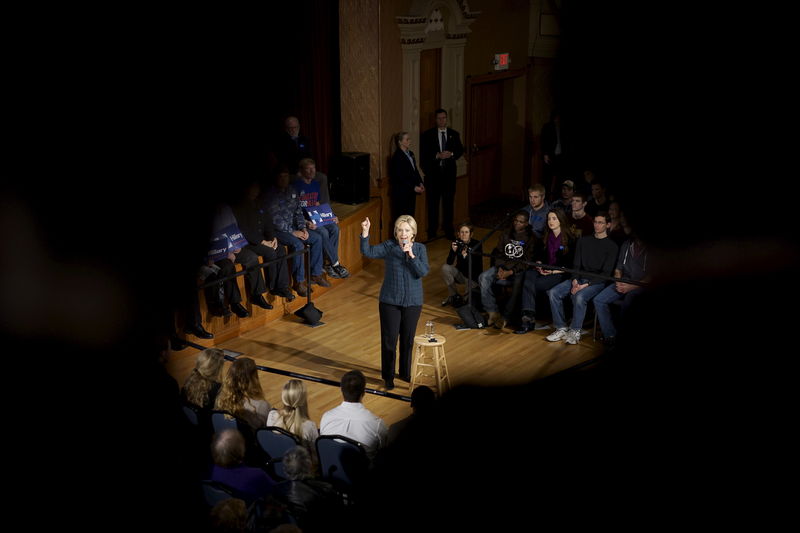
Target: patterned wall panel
(359, 57)
(391, 78)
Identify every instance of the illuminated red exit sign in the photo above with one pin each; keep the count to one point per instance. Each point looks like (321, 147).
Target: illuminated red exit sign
(501, 61)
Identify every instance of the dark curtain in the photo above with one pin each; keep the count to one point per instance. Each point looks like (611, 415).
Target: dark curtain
(319, 88)
(307, 68)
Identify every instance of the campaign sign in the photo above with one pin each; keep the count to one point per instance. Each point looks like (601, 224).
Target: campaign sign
(237, 240)
(226, 241)
(321, 214)
(218, 248)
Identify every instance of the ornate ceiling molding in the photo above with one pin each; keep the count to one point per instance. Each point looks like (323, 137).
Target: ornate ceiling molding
(426, 17)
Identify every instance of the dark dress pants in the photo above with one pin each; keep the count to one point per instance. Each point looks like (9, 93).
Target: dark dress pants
(403, 203)
(254, 279)
(397, 321)
(226, 292)
(278, 272)
(440, 188)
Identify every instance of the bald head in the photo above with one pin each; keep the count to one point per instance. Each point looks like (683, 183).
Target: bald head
(292, 126)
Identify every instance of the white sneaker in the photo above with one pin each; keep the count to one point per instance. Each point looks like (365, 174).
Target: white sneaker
(557, 335)
(573, 336)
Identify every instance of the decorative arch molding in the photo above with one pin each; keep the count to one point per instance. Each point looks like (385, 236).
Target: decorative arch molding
(454, 15)
(435, 24)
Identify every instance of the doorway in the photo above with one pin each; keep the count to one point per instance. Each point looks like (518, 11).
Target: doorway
(494, 136)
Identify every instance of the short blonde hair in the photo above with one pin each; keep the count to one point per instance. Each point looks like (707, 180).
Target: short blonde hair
(408, 219)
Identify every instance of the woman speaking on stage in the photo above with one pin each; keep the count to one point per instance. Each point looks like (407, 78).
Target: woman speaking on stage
(400, 301)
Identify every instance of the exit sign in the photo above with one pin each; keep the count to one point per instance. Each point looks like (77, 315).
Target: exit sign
(501, 61)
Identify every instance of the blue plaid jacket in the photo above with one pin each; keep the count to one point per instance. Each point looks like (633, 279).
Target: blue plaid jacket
(402, 281)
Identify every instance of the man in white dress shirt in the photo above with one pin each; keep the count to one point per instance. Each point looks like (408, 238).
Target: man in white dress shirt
(352, 419)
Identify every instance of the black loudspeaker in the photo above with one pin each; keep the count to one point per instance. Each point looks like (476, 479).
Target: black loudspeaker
(349, 179)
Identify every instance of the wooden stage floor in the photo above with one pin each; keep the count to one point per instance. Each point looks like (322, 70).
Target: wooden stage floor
(350, 339)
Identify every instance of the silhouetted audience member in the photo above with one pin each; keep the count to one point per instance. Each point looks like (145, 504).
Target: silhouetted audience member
(564, 201)
(584, 182)
(632, 265)
(314, 503)
(228, 450)
(228, 516)
(554, 152)
(286, 528)
(291, 146)
(616, 231)
(600, 198)
(423, 400)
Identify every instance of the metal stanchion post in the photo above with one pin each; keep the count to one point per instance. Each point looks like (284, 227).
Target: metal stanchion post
(308, 312)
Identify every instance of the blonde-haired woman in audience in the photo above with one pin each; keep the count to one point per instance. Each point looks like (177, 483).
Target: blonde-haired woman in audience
(242, 395)
(203, 384)
(293, 416)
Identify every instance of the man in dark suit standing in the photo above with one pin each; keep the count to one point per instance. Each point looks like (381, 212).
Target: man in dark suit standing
(440, 148)
(553, 154)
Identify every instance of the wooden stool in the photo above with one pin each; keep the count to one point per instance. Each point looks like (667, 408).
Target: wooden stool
(430, 355)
